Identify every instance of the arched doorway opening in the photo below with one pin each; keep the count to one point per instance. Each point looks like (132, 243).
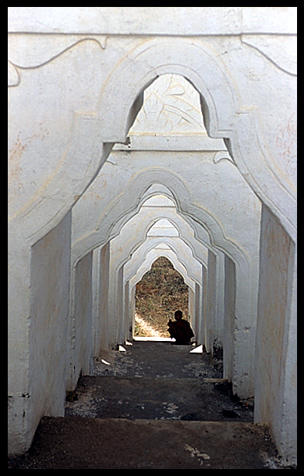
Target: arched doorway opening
(168, 122)
(161, 291)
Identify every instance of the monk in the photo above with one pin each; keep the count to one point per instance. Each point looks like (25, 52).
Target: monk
(180, 329)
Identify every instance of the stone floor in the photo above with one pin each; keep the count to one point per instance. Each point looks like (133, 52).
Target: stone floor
(152, 406)
(158, 381)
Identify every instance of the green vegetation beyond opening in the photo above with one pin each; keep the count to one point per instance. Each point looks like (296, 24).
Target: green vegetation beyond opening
(159, 294)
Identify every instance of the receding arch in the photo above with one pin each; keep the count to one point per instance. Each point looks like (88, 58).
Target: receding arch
(178, 255)
(154, 254)
(224, 115)
(177, 246)
(120, 213)
(219, 125)
(245, 303)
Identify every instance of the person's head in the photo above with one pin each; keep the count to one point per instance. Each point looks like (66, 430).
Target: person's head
(178, 315)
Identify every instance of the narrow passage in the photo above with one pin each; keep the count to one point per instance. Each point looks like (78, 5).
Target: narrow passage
(157, 380)
(153, 406)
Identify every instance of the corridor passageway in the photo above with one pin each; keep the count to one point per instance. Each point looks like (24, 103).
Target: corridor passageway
(157, 380)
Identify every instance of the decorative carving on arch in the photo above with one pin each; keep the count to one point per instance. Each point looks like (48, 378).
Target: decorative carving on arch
(280, 51)
(171, 106)
(155, 57)
(32, 53)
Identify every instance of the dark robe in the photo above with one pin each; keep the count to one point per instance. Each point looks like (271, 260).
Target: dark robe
(181, 331)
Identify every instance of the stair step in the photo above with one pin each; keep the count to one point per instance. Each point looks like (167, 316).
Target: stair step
(156, 398)
(93, 443)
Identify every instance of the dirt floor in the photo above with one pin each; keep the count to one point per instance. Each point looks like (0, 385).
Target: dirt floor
(153, 406)
(93, 443)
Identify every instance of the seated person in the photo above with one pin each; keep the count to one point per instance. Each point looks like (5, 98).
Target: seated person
(180, 329)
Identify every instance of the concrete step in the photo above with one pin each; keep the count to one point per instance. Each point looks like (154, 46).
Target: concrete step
(156, 398)
(93, 443)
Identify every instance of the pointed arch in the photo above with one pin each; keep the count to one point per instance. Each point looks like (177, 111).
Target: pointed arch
(140, 67)
(224, 115)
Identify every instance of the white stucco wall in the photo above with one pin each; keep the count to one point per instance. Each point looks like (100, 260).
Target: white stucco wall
(275, 398)
(83, 341)
(46, 374)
